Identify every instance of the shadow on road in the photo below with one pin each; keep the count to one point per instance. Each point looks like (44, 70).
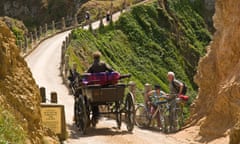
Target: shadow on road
(73, 131)
(91, 131)
(105, 132)
(153, 129)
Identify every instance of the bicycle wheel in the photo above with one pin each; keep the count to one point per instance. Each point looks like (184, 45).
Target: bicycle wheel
(165, 117)
(162, 117)
(142, 119)
(179, 117)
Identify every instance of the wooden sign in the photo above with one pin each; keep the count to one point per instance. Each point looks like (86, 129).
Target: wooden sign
(53, 117)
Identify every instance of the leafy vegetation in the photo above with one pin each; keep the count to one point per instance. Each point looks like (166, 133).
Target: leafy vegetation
(10, 131)
(148, 42)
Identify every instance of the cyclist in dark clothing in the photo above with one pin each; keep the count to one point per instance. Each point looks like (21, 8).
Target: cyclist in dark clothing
(96, 67)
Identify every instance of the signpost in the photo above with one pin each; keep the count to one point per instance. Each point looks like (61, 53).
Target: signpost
(53, 117)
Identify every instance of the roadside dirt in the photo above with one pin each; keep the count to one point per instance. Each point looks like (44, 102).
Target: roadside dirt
(106, 132)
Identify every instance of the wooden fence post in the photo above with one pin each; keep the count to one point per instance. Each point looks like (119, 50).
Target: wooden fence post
(54, 98)
(25, 44)
(70, 37)
(53, 27)
(62, 57)
(43, 94)
(66, 68)
(35, 35)
(31, 40)
(40, 32)
(46, 29)
(132, 88)
(75, 20)
(63, 23)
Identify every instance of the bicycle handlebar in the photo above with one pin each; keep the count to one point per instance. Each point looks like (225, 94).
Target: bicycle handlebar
(162, 96)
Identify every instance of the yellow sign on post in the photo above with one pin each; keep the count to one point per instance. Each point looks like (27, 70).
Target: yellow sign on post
(53, 117)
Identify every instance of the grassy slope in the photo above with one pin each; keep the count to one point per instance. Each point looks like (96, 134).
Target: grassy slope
(148, 42)
(10, 131)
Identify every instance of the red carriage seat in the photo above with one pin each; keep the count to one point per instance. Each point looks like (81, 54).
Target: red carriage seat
(102, 78)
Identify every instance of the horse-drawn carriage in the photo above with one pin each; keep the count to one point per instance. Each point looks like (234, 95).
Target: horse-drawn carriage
(103, 89)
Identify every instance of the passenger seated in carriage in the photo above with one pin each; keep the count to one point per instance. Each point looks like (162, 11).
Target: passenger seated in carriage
(98, 66)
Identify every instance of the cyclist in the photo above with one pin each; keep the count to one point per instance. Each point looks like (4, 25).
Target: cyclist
(172, 96)
(153, 99)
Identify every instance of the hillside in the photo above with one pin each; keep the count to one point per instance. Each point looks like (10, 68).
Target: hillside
(148, 42)
(20, 118)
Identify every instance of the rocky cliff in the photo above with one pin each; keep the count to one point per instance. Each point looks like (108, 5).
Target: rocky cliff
(218, 78)
(37, 11)
(18, 91)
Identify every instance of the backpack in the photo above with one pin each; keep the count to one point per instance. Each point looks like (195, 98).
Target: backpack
(184, 90)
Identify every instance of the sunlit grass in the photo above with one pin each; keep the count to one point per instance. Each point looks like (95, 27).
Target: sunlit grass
(10, 131)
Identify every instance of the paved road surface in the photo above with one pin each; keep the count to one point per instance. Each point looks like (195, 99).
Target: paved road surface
(44, 63)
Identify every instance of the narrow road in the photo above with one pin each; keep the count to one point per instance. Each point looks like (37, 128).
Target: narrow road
(44, 63)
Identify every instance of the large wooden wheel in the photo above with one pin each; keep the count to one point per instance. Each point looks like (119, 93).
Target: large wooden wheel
(130, 111)
(118, 115)
(81, 119)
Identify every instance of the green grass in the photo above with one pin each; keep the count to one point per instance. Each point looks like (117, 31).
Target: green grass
(148, 42)
(10, 131)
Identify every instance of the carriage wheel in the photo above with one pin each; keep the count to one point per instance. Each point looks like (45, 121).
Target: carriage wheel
(80, 114)
(118, 115)
(130, 111)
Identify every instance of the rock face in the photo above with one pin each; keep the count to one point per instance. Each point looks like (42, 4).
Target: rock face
(37, 11)
(218, 78)
(18, 91)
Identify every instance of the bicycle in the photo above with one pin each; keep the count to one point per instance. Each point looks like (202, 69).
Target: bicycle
(177, 114)
(144, 118)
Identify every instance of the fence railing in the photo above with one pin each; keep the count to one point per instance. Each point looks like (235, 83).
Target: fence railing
(35, 37)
